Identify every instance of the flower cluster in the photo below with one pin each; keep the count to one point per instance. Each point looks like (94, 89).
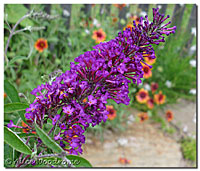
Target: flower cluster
(149, 98)
(78, 97)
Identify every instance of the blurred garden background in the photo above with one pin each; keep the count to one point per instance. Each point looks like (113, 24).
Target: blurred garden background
(158, 128)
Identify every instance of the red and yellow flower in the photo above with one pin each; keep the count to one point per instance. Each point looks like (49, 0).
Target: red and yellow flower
(41, 44)
(99, 35)
(150, 103)
(147, 71)
(112, 112)
(142, 96)
(154, 87)
(143, 116)
(4, 95)
(169, 115)
(159, 98)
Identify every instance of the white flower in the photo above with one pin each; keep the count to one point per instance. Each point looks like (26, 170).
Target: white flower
(193, 31)
(147, 87)
(95, 21)
(193, 62)
(128, 14)
(122, 141)
(143, 13)
(192, 91)
(192, 49)
(87, 31)
(185, 128)
(168, 84)
(159, 6)
(66, 13)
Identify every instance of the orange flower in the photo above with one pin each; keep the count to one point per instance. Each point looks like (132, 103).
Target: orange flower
(169, 115)
(41, 44)
(154, 87)
(149, 60)
(26, 130)
(143, 116)
(142, 96)
(150, 103)
(128, 26)
(4, 95)
(124, 160)
(159, 98)
(112, 112)
(147, 71)
(99, 35)
(120, 6)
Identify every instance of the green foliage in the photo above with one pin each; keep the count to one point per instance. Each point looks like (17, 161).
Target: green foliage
(15, 12)
(14, 141)
(47, 140)
(188, 146)
(15, 107)
(11, 91)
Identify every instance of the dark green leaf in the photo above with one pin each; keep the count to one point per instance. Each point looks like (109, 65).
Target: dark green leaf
(47, 140)
(78, 161)
(14, 107)
(11, 91)
(14, 141)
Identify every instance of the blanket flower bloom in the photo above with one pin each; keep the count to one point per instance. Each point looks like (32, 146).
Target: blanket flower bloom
(99, 35)
(142, 96)
(169, 115)
(143, 116)
(112, 112)
(98, 75)
(41, 44)
(159, 98)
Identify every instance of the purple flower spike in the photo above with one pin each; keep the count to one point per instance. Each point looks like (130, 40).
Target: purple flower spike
(81, 93)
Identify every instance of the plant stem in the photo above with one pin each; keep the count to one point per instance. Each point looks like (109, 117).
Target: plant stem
(12, 33)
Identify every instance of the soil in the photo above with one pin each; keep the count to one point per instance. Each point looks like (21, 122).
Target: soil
(144, 144)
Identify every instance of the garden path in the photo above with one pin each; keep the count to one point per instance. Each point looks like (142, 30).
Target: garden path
(142, 143)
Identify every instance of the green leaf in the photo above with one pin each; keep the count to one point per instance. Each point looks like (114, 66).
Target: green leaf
(78, 161)
(47, 140)
(17, 58)
(14, 141)
(15, 12)
(14, 107)
(11, 91)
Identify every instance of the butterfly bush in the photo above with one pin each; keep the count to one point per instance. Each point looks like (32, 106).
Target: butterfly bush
(78, 97)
